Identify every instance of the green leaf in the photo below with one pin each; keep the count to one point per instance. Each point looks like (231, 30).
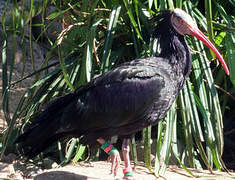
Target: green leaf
(164, 149)
(230, 47)
(70, 151)
(132, 19)
(147, 146)
(62, 64)
(4, 66)
(219, 38)
(109, 38)
(80, 152)
(55, 14)
(89, 53)
(150, 2)
(171, 4)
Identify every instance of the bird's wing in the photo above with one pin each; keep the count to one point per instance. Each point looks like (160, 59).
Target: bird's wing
(117, 98)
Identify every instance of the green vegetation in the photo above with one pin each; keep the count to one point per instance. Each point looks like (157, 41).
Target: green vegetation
(97, 35)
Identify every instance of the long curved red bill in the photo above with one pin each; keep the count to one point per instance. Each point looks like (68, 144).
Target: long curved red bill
(199, 35)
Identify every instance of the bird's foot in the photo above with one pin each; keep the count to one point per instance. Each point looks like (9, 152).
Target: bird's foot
(115, 160)
(113, 153)
(128, 173)
(128, 178)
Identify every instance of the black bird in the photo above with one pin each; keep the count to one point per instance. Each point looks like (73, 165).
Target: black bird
(124, 100)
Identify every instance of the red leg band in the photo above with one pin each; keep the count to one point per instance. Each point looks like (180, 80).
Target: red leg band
(109, 148)
(127, 170)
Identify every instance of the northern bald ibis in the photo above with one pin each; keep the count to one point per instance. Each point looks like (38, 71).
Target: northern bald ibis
(125, 99)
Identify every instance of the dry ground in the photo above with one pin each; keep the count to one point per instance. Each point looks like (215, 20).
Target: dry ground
(100, 171)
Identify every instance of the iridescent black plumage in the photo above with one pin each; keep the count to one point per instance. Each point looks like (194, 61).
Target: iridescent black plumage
(120, 102)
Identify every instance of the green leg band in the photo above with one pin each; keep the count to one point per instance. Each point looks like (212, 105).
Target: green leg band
(112, 151)
(129, 174)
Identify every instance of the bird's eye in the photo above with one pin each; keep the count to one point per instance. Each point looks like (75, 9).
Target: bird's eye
(181, 21)
(178, 19)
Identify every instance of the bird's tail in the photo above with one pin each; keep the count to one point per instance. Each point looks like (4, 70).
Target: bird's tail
(46, 128)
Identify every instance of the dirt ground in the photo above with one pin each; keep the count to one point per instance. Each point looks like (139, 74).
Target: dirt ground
(100, 171)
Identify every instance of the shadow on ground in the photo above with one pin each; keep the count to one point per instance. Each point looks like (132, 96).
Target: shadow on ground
(60, 175)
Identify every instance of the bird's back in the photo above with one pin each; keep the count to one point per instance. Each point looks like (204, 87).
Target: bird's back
(122, 101)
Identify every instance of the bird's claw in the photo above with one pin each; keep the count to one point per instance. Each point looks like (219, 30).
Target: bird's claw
(116, 161)
(128, 178)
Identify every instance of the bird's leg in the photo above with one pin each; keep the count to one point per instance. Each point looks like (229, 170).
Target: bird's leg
(114, 155)
(128, 174)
